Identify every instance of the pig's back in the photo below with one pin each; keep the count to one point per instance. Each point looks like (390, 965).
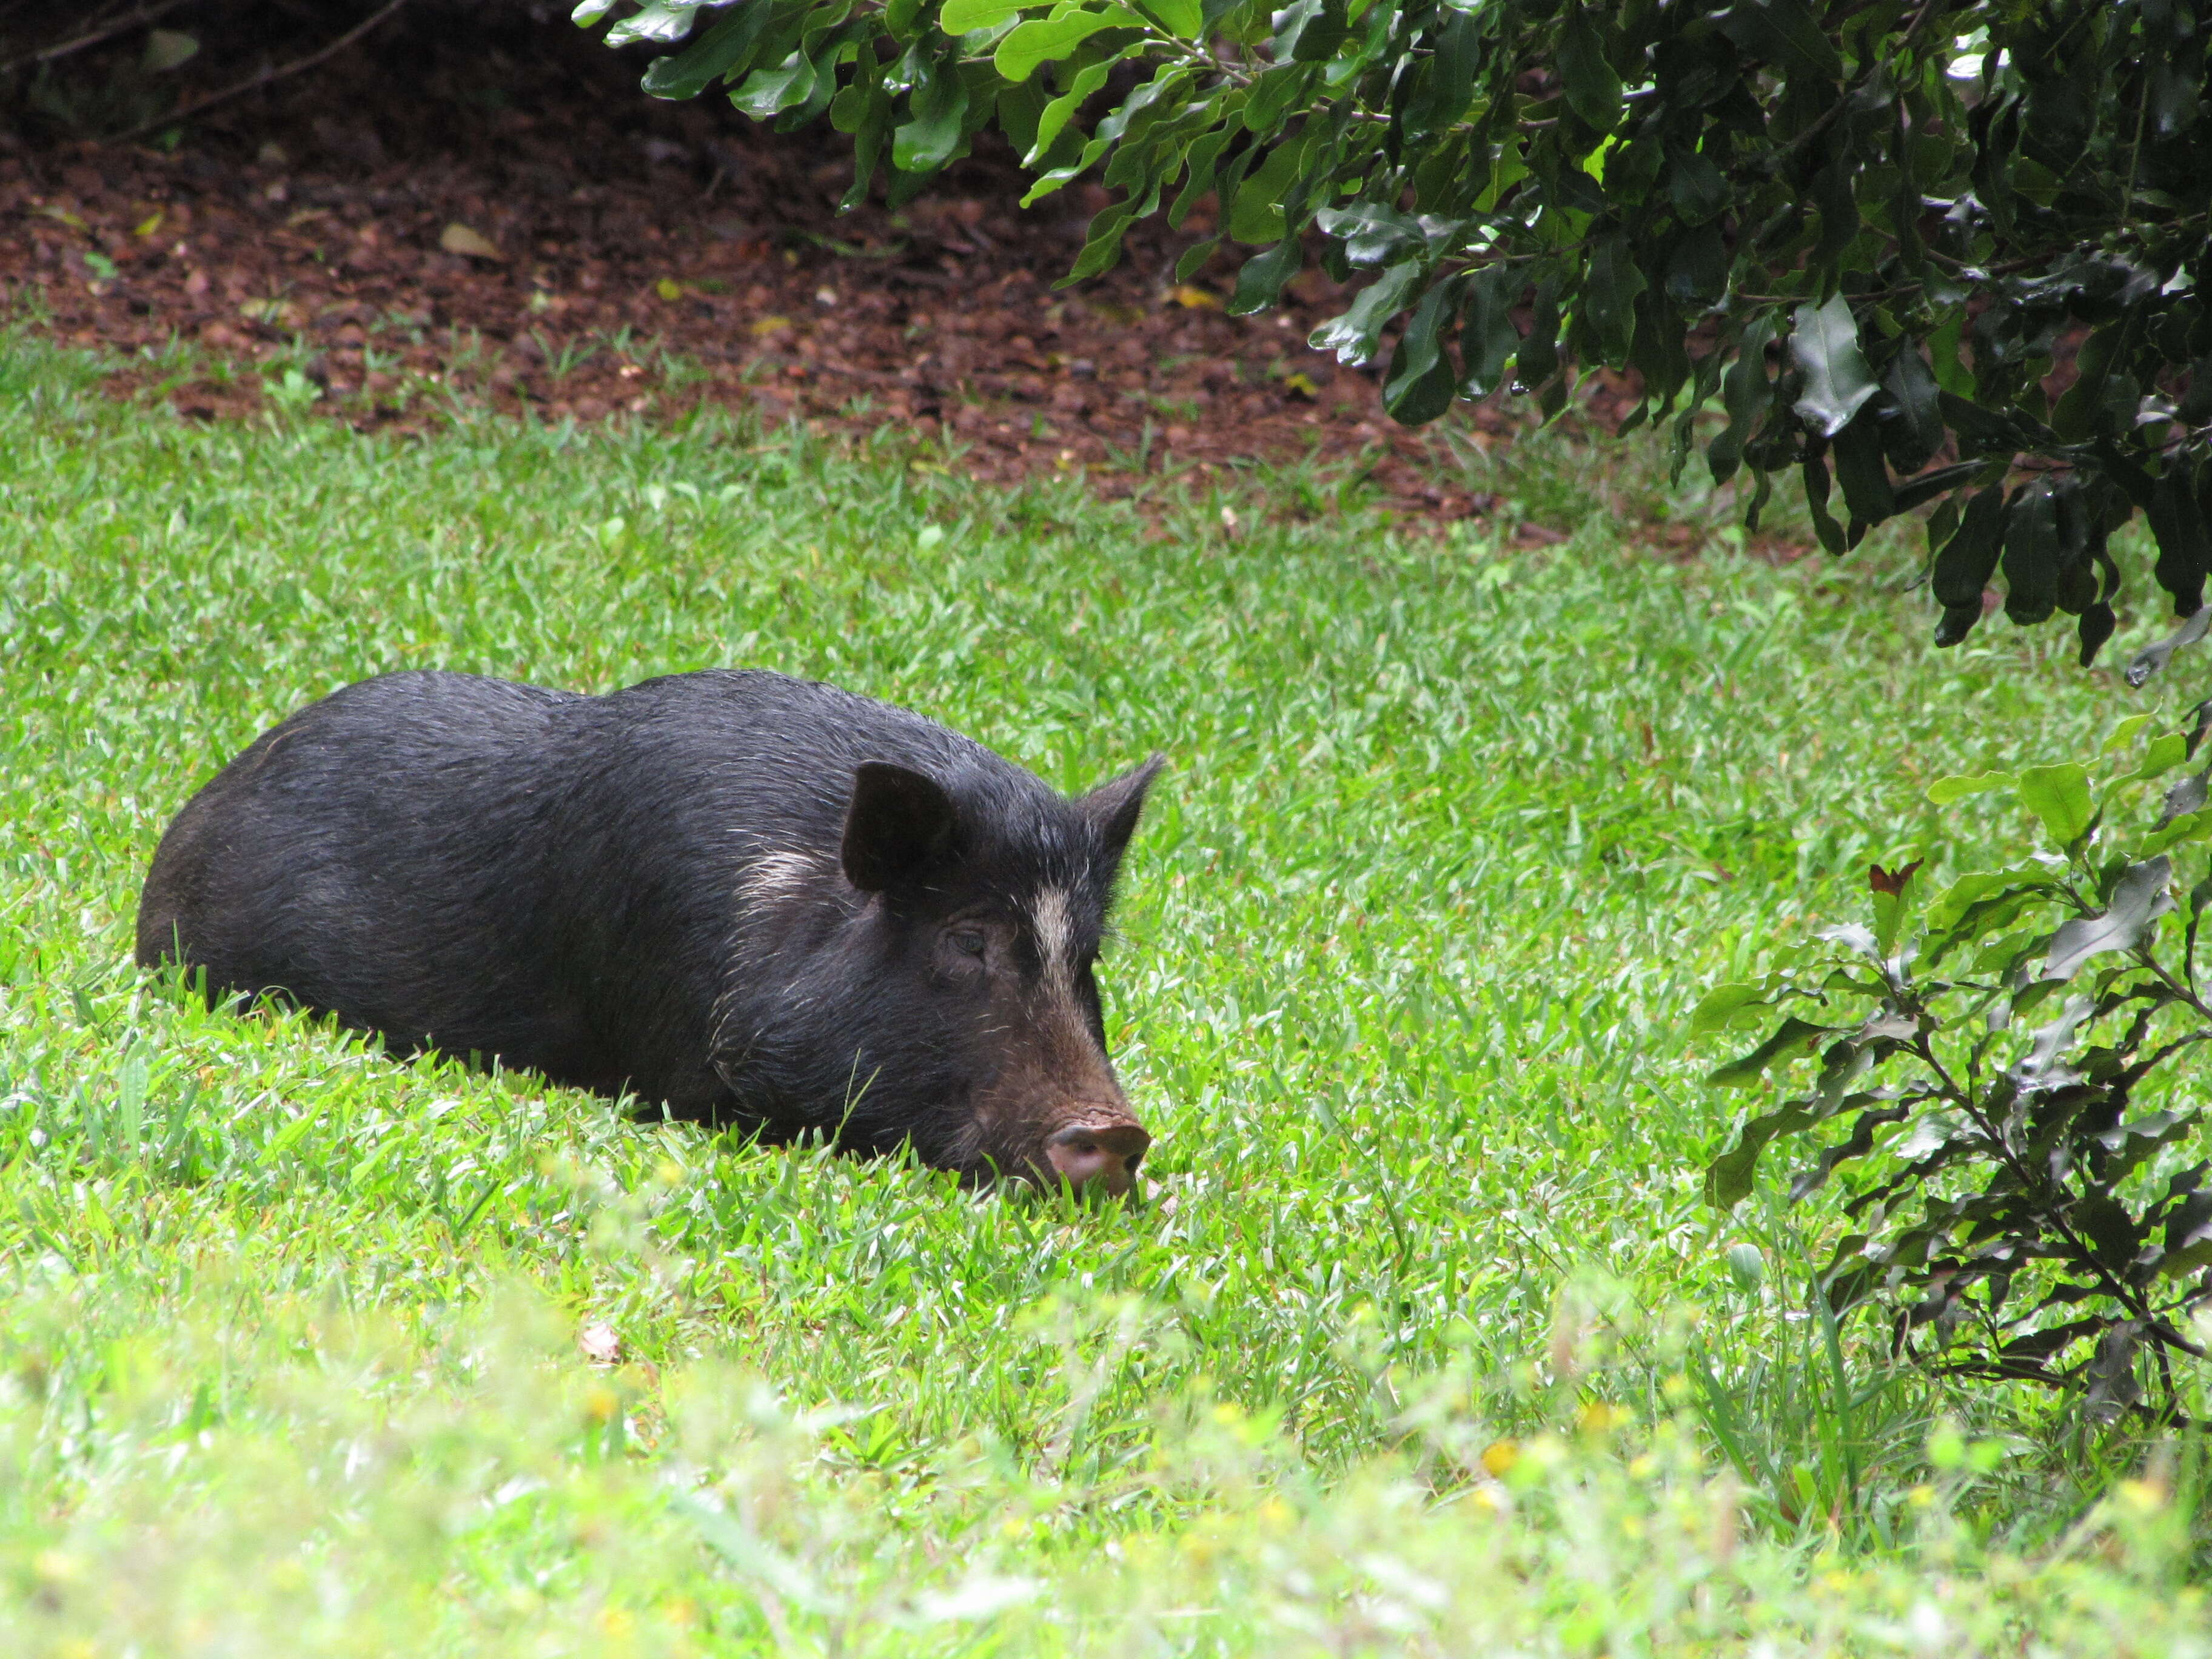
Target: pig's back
(760, 762)
(376, 855)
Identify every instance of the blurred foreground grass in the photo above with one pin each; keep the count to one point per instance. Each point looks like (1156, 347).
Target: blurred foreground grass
(1418, 1345)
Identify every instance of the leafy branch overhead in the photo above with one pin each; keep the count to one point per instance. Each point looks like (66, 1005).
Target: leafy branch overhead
(1995, 1069)
(1867, 229)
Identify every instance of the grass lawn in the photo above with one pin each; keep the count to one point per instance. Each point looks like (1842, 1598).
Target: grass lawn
(1418, 1344)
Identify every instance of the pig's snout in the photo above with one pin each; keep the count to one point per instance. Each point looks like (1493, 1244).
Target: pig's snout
(1098, 1156)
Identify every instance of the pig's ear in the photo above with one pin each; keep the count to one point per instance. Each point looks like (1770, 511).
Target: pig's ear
(899, 821)
(1117, 805)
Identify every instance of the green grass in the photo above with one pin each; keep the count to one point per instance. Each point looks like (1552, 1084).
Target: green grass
(1423, 1343)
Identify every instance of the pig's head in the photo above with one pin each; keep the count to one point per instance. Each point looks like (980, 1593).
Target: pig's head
(944, 994)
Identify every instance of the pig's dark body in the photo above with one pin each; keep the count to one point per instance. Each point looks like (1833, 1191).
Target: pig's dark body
(641, 891)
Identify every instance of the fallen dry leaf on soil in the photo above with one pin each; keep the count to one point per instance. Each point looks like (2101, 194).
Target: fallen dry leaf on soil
(457, 238)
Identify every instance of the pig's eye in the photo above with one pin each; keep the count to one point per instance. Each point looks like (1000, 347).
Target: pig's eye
(968, 941)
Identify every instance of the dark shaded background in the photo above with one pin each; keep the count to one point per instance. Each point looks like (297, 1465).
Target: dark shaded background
(475, 205)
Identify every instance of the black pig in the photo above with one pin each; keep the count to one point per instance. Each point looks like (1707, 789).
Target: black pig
(755, 899)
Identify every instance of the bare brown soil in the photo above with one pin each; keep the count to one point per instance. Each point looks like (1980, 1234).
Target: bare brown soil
(505, 221)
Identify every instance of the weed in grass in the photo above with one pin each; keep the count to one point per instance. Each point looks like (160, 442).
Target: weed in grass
(1418, 1343)
(677, 370)
(566, 358)
(291, 390)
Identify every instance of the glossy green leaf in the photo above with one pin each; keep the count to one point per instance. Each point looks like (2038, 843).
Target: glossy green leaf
(1981, 902)
(725, 47)
(1373, 234)
(1725, 1006)
(2142, 896)
(1592, 86)
(1053, 120)
(1747, 392)
(1861, 471)
(2152, 658)
(1791, 1039)
(1958, 786)
(2179, 830)
(768, 92)
(1914, 431)
(1975, 885)
(1536, 364)
(1202, 174)
(1488, 338)
(2166, 750)
(1917, 492)
(1353, 336)
(926, 143)
(964, 17)
(1729, 1177)
(1184, 18)
(2184, 540)
(1047, 39)
(1838, 381)
(1447, 84)
(2188, 794)
(1260, 280)
(1421, 381)
(1310, 31)
(2032, 554)
(1698, 267)
(2077, 411)
(1816, 474)
(1698, 190)
(1857, 1145)
(1256, 216)
(664, 21)
(1101, 246)
(1614, 282)
(1278, 95)
(865, 108)
(2125, 732)
(2059, 797)
(1962, 570)
(1835, 193)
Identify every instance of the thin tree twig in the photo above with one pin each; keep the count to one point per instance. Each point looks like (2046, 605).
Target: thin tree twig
(254, 84)
(93, 37)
